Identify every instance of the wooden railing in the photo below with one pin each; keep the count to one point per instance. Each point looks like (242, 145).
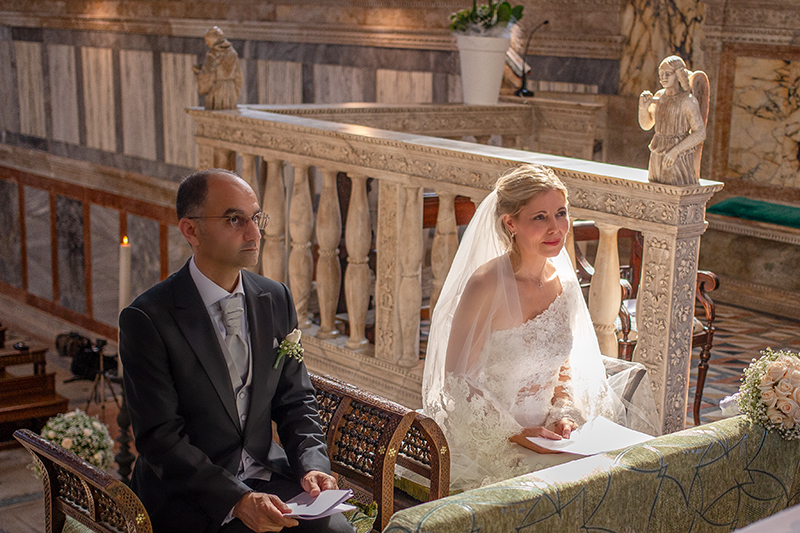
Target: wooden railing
(277, 150)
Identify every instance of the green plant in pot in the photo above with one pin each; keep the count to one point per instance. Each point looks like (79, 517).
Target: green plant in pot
(483, 36)
(491, 20)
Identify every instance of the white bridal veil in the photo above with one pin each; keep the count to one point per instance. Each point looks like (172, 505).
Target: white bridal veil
(592, 391)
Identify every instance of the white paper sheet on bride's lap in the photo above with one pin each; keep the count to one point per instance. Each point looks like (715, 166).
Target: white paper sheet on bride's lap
(599, 435)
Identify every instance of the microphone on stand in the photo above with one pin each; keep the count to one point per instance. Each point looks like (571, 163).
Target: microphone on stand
(523, 83)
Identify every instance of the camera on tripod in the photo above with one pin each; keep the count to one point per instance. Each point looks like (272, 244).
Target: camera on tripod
(87, 358)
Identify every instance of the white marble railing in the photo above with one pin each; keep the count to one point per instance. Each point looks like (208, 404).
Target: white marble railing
(402, 165)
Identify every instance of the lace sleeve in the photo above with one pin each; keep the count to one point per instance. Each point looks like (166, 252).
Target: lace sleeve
(563, 406)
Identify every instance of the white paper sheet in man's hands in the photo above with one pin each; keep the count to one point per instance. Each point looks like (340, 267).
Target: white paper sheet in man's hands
(598, 435)
(306, 507)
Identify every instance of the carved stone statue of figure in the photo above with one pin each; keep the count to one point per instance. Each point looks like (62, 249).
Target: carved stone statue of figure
(220, 77)
(679, 112)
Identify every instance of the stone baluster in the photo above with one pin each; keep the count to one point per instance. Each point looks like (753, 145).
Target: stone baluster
(605, 296)
(409, 296)
(273, 249)
(356, 279)
(569, 244)
(482, 139)
(301, 228)
(249, 172)
(445, 243)
(224, 158)
(329, 270)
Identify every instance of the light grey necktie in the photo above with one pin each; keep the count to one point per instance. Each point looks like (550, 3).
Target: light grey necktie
(232, 316)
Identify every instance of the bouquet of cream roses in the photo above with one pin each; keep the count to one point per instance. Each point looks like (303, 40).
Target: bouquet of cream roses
(83, 435)
(770, 392)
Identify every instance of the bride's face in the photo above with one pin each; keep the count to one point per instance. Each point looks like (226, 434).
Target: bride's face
(542, 224)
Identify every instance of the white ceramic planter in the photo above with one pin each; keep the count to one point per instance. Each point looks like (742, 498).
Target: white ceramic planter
(482, 62)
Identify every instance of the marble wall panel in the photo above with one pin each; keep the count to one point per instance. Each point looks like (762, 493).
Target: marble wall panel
(653, 30)
(179, 249)
(280, 82)
(138, 104)
(145, 254)
(179, 92)
(335, 84)
(402, 87)
(765, 122)
(455, 92)
(9, 114)
(105, 264)
(98, 98)
(63, 92)
(10, 243)
(71, 280)
(30, 88)
(37, 243)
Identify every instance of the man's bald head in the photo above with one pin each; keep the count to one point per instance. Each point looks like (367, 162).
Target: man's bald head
(193, 191)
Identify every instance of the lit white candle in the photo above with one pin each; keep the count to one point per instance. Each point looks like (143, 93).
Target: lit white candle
(124, 273)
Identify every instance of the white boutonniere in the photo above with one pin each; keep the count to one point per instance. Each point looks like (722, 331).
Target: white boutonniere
(290, 347)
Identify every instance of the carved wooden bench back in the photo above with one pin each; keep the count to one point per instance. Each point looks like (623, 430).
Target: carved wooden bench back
(368, 435)
(74, 488)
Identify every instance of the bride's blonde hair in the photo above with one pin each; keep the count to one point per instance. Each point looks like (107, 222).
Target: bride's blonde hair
(514, 190)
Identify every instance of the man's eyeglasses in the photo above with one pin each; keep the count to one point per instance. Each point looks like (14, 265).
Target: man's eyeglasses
(239, 222)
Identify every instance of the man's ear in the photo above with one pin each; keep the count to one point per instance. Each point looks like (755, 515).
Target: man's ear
(188, 229)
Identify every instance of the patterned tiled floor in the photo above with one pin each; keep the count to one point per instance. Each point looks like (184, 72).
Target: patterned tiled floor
(740, 336)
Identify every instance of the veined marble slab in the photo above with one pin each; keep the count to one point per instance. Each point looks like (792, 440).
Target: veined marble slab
(145, 254)
(335, 84)
(138, 104)
(9, 112)
(63, 92)
(10, 246)
(98, 98)
(280, 82)
(30, 88)
(37, 225)
(401, 86)
(765, 122)
(105, 264)
(179, 249)
(179, 92)
(71, 280)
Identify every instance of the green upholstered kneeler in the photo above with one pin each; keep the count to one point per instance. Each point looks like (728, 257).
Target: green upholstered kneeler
(740, 207)
(712, 478)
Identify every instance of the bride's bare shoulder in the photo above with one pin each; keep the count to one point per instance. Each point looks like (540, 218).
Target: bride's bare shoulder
(485, 278)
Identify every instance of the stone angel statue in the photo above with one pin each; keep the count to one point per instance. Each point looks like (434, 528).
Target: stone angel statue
(220, 77)
(679, 113)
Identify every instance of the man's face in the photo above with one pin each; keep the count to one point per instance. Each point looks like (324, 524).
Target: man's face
(218, 246)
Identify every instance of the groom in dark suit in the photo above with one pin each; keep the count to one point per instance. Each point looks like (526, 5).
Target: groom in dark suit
(204, 382)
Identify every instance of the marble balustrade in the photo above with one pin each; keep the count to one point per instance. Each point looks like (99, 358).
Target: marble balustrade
(280, 148)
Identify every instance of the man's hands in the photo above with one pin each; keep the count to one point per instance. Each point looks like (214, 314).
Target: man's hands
(315, 482)
(263, 512)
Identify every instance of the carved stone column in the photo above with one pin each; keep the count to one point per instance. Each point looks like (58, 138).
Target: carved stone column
(329, 270)
(224, 158)
(664, 311)
(301, 228)
(445, 243)
(409, 297)
(205, 156)
(604, 292)
(273, 249)
(356, 278)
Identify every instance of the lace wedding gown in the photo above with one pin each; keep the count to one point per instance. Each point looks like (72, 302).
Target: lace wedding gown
(514, 389)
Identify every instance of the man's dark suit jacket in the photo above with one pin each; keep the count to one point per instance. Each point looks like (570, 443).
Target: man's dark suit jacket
(183, 409)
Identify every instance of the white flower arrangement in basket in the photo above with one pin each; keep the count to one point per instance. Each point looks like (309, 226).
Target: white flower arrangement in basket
(770, 392)
(83, 435)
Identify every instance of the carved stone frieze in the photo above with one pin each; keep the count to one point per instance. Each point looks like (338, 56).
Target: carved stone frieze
(624, 205)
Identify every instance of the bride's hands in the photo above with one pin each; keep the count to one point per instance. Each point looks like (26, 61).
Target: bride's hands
(563, 429)
(522, 438)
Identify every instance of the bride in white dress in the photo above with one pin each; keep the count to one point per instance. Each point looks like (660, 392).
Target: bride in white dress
(512, 352)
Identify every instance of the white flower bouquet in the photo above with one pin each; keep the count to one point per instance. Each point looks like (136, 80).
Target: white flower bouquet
(770, 392)
(83, 435)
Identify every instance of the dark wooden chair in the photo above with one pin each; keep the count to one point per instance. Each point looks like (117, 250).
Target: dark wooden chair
(702, 337)
(78, 496)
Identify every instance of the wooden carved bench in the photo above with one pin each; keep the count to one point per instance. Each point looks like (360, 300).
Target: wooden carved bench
(75, 491)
